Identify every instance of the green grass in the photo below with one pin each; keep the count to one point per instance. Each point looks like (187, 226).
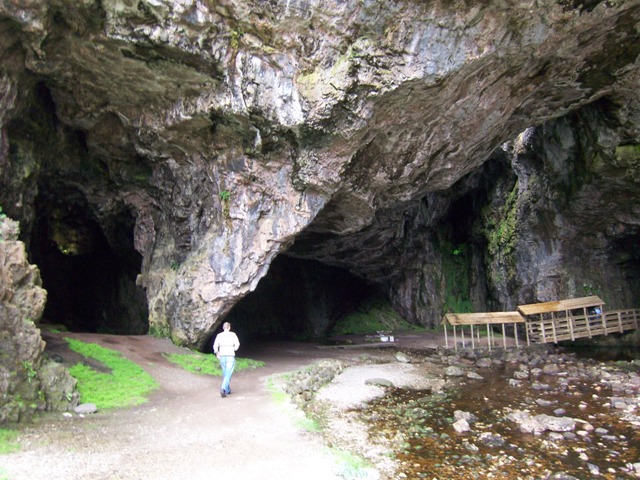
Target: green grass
(127, 383)
(203, 364)
(370, 318)
(352, 465)
(8, 442)
(277, 394)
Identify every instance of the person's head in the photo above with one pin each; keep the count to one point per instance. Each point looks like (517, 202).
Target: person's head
(226, 326)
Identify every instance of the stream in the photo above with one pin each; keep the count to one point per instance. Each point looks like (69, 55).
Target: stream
(486, 422)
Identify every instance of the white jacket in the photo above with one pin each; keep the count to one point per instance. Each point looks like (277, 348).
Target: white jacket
(226, 343)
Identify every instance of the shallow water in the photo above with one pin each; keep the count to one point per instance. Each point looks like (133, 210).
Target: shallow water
(495, 448)
(605, 354)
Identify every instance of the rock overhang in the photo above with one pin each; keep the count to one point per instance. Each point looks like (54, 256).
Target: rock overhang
(230, 129)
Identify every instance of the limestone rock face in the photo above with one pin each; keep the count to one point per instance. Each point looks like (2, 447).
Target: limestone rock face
(28, 381)
(384, 138)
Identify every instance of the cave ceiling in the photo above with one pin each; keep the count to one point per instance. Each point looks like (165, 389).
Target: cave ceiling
(229, 132)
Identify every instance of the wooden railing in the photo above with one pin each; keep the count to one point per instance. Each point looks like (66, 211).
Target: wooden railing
(559, 328)
(474, 321)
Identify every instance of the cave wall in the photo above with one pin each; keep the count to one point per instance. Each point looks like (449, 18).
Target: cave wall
(569, 223)
(551, 214)
(29, 381)
(341, 132)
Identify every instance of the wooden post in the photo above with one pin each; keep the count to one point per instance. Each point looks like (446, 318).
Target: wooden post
(553, 326)
(446, 338)
(586, 317)
(620, 321)
(504, 337)
(455, 338)
(544, 336)
(526, 331)
(462, 333)
(515, 334)
(489, 336)
(473, 338)
(571, 320)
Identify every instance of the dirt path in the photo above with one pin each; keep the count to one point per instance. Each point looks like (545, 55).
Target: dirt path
(186, 430)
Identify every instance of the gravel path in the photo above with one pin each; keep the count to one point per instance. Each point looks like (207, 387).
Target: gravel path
(186, 430)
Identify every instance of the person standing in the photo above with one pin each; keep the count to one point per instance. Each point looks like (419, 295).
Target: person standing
(225, 346)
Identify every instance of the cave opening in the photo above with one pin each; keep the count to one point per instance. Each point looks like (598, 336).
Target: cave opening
(299, 299)
(89, 274)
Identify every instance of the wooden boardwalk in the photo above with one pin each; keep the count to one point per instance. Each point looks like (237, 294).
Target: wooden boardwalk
(477, 320)
(557, 321)
(580, 326)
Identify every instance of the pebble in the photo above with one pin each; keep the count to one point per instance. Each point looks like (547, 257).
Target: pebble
(461, 426)
(541, 383)
(86, 408)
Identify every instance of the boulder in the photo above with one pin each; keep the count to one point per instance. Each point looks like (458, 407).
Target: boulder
(29, 382)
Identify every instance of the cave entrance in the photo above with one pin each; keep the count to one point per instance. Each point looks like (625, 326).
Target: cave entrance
(89, 275)
(299, 299)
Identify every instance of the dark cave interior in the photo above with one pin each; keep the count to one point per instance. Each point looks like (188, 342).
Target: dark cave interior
(90, 281)
(299, 298)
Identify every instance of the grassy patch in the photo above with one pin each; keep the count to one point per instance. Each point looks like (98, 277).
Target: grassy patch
(280, 397)
(352, 466)
(307, 424)
(127, 383)
(8, 442)
(456, 268)
(207, 364)
(277, 394)
(371, 318)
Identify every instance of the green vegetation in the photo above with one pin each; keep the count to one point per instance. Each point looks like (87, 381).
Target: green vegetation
(277, 394)
(160, 331)
(207, 364)
(589, 289)
(352, 465)
(236, 35)
(456, 268)
(225, 198)
(127, 383)
(372, 317)
(57, 328)
(307, 424)
(8, 442)
(31, 373)
(502, 236)
(502, 233)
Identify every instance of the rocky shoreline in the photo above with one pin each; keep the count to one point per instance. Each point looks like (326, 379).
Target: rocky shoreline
(529, 413)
